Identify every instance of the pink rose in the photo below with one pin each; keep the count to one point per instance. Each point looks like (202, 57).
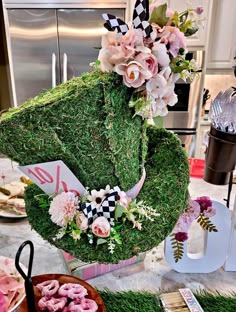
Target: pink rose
(174, 38)
(160, 52)
(134, 74)
(132, 42)
(81, 221)
(109, 57)
(148, 61)
(101, 227)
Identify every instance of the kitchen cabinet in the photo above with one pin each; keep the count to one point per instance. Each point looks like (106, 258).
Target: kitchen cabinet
(222, 39)
(200, 38)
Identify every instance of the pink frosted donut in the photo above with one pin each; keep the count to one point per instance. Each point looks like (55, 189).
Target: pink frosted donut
(72, 291)
(86, 305)
(52, 304)
(48, 288)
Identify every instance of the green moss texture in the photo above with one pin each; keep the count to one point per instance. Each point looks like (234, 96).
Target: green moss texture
(87, 123)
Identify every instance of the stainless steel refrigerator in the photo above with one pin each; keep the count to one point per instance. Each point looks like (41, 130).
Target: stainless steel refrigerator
(49, 46)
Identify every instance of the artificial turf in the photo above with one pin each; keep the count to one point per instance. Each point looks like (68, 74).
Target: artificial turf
(149, 302)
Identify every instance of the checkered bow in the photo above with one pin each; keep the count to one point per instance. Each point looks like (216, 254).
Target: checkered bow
(107, 209)
(140, 20)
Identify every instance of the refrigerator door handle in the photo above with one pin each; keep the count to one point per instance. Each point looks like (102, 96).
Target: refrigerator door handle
(54, 59)
(64, 67)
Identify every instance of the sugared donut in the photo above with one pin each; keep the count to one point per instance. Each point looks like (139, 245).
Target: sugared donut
(48, 288)
(85, 305)
(72, 291)
(52, 304)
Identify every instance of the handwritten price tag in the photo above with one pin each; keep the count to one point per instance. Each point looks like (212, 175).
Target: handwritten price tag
(53, 177)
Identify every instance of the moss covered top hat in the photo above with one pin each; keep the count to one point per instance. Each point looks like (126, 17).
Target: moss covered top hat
(133, 176)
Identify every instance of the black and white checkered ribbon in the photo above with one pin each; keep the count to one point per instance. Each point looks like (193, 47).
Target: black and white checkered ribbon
(107, 209)
(141, 16)
(140, 13)
(114, 23)
(140, 20)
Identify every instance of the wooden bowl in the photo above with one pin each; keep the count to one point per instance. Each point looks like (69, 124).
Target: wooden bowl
(62, 279)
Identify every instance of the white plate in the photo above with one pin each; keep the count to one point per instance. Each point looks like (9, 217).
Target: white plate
(8, 214)
(11, 268)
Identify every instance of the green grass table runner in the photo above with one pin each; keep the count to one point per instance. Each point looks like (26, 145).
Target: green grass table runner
(149, 302)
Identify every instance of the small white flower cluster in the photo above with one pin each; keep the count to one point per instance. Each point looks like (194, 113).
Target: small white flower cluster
(138, 211)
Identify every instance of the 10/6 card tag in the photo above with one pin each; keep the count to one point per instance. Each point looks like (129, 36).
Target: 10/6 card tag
(53, 177)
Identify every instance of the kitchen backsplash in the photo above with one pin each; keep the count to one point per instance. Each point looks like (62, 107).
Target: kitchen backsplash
(217, 83)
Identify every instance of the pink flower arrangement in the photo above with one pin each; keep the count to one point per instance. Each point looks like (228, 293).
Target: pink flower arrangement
(152, 64)
(199, 209)
(99, 215)
(192, 212)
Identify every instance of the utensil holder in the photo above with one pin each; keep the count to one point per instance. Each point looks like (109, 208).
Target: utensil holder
(220, 157)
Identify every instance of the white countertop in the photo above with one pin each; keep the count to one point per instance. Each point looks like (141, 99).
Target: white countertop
(151, 274)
